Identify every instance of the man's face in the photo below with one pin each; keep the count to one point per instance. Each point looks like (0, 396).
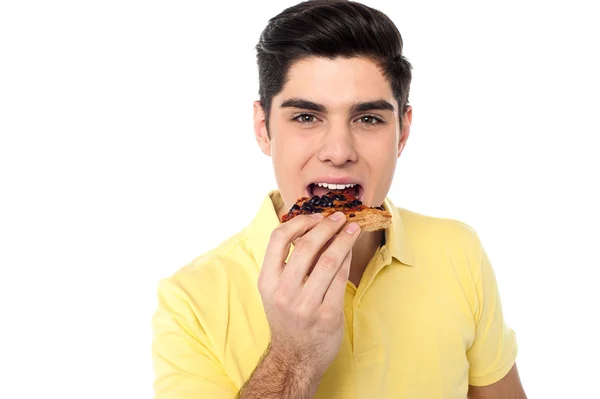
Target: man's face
(334, 122)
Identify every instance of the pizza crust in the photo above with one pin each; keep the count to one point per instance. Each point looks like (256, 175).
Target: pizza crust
(371, 219)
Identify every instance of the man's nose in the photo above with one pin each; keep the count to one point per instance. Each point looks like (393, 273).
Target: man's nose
(338, 146)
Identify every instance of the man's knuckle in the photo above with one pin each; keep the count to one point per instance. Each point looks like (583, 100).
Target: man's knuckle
(278, 234)
(264, 284)
(260, 284)
(305, 312)
(281, 299)
(329, 314)
(328, 262)
(303, 245)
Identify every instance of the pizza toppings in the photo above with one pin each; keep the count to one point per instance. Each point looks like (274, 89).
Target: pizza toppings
(370, 219)
(327, 204)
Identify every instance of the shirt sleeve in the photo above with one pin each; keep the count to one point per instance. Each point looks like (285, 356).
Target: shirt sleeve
(494, 350)
(184, 366)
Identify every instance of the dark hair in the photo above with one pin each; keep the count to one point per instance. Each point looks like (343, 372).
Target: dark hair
(330, 29)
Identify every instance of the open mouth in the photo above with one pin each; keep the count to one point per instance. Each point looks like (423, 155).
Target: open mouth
(321, 189)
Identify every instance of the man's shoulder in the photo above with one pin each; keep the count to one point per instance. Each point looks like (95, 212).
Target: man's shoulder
(229, 251)
(421, 227)
(441, 242)
(231, 259)
(204, 293)
(449, 248)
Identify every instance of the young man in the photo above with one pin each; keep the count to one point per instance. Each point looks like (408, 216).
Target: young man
(308, 309)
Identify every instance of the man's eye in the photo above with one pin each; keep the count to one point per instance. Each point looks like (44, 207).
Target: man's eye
(305, 118)
(369, 120)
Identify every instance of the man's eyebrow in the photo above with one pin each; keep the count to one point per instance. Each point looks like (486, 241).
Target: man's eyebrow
(381, 105)
(303, 104)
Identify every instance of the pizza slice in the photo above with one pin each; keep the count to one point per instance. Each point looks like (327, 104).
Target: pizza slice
(369, 219)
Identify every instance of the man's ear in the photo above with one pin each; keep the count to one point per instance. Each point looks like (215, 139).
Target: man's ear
(260, 129)
(406, 122)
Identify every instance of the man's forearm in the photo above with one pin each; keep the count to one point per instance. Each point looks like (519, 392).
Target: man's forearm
(278, 378)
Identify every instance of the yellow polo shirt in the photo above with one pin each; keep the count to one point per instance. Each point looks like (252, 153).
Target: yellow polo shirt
(424, 322)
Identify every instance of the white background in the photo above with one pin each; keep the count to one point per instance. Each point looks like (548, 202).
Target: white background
(123, 122)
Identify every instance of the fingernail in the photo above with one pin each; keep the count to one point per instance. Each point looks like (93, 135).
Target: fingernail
(317, 215)
(352, 228)
(337, 216)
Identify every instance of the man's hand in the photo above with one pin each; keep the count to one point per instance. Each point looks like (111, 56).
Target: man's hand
(304, 298)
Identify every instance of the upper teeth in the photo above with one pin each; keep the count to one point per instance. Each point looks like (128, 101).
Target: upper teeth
(335, 186)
